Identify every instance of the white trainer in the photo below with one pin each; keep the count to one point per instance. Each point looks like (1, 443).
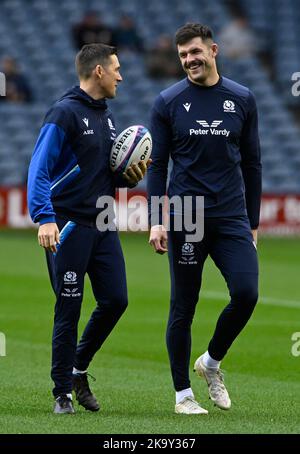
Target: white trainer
(215, 381)
(189, 406)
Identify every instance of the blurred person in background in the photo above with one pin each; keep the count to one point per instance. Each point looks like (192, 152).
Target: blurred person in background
(17, 86)
(162, 60)
(207, 125)
(126, 35)
(238, 41)
(92, 30)
(69, 171)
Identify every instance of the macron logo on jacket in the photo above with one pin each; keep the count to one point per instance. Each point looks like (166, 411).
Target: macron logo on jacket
(87, 131)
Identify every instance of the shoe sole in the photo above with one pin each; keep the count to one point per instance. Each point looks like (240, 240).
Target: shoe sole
(94, 410)
(87, 408)
(189, 414)
(64, 412)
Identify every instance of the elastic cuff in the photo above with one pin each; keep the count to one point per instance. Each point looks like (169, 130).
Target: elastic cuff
(47, 220)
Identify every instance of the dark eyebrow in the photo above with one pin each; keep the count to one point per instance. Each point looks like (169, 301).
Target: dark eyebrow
(190, 50)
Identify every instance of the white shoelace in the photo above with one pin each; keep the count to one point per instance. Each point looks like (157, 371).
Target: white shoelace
(191, 403)
(217, 383)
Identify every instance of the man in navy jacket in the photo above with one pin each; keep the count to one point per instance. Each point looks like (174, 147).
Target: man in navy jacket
(69, 171)
(207, 125)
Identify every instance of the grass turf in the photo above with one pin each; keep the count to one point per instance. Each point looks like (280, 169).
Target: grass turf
(133, 379)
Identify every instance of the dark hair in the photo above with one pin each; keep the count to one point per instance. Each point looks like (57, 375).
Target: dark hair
(192, 30)
(91, 55)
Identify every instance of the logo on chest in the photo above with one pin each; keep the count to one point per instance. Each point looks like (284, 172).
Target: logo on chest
(209, 129)
(87, 131)
(229, 106)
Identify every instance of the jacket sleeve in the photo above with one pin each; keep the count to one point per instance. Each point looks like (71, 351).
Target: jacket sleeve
(251, 163)
(158, 171)
(45, 156)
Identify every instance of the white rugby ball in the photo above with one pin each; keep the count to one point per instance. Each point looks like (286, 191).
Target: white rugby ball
(134, 144)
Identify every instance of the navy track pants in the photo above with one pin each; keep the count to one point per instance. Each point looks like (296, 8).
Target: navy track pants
(229, 243)
(84, 250)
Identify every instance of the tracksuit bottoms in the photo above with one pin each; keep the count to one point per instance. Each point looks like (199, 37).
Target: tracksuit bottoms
(229, 243)
(83, 250)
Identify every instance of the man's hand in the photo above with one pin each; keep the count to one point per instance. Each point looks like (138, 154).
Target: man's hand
(136, 172)
(48, 236)
(159, 239)
(254, 234)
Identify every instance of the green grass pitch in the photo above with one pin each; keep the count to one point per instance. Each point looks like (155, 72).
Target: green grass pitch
(133, 378)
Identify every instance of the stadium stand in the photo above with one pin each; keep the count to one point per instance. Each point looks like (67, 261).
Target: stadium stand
(37, 33)
(278, 23)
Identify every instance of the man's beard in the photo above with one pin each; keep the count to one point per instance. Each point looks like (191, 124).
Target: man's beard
(201, 77)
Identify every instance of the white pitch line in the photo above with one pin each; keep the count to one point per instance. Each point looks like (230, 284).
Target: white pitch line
(262, 299)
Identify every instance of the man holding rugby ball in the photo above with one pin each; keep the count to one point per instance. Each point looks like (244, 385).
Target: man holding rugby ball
(69, 171)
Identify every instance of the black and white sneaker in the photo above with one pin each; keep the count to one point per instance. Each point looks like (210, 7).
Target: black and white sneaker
(83, 393)
(63, 404)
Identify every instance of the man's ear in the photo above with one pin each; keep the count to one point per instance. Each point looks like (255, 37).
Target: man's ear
(215, 49)
(99, 71)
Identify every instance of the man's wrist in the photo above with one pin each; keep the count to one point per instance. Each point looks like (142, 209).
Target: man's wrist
(47, 220)
(158, 227)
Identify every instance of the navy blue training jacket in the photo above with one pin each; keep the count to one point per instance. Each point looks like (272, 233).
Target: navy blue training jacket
(211, 135)
(69, 168)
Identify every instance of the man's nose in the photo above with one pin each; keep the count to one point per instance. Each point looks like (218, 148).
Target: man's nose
(189, 59)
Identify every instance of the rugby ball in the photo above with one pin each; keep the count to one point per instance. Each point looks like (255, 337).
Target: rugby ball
(134, 144)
